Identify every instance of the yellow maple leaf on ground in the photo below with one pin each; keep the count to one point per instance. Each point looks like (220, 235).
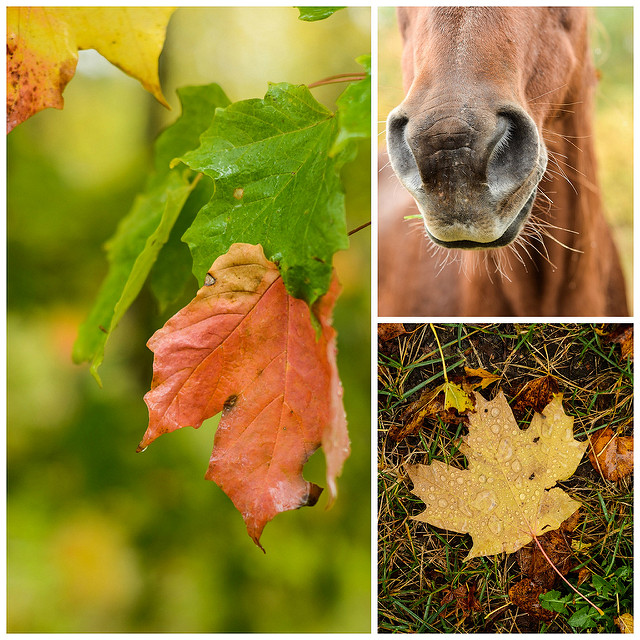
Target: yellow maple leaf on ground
(502, 498)
(43, 44)
(455, 397)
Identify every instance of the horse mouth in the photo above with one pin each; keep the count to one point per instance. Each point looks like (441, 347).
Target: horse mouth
(509, 235)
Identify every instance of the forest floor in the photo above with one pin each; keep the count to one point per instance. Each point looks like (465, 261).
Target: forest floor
(424, 583)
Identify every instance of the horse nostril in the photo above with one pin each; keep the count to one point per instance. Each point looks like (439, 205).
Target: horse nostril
(400, 154)
(514, 153)
(396, 123)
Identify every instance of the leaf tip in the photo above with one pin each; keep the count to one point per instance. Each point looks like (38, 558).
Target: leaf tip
(95, 374)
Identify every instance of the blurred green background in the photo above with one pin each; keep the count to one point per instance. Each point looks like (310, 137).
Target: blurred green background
(612, 44)
(101, 539)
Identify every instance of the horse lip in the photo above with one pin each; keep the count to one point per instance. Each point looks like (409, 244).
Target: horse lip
(510, 234)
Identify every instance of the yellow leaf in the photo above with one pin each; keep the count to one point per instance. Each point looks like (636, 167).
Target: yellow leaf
(580, 547)
(486, 378)
(625, 623)
(43, 44)
(502, 498)
(455, 396)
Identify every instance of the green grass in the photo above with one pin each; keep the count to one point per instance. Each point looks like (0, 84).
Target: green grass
(418, 563)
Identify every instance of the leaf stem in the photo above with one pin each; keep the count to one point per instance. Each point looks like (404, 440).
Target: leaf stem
(340, 77)
(444, 366)
(362, 226)
(553, 566)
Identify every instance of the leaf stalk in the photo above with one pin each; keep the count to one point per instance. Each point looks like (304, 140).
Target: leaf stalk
(553, 566)
(340, 77)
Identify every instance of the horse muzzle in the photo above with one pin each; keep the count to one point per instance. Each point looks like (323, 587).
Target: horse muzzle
(473, 170)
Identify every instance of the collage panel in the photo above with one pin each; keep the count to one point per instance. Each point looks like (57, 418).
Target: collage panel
(505, 174)
(505, 487)
(188, 439)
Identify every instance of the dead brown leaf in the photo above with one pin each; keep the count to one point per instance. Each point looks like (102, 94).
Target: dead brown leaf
(611, 455)
(431, 404)
(390, 330)
(464, 598)
(525, 595)
(622, 335)
(583, 575)
(557, 545)
(536, 394)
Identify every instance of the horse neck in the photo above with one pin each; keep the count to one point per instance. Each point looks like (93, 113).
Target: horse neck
(566, 273)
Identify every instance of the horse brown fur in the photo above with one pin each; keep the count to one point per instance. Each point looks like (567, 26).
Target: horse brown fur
(578, 273)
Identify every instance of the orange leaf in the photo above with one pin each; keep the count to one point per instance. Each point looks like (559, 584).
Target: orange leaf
(43, 44)
(611, 455)
(486, 378)
(245, 347)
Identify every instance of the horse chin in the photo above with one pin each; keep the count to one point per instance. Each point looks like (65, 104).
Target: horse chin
(509, 235)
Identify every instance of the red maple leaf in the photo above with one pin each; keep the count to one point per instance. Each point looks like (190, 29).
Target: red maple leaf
(245, 347)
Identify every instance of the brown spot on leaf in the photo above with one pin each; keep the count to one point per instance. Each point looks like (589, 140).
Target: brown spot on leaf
(230, 402)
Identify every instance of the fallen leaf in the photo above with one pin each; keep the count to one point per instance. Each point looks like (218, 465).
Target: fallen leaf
(390, 330)
(245, 347)
(622, 335)
(502, 499)
(583, 575)
(455, 397)
(525, 595)
(43, 44)
(625, 623)
(579, 547)
(536, 394)
(430, 405)
(611, 455)
(464, 599)
(486, 378)
(412, 420)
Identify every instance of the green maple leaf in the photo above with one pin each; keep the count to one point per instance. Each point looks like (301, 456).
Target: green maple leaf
(140, 236)
(312, 14)
(354, 108)
(276, 184)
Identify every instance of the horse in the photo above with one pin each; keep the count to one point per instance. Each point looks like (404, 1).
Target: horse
(493, 147)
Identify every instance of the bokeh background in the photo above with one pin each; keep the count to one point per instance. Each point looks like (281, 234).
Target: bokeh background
(101, 539)
(612, 43)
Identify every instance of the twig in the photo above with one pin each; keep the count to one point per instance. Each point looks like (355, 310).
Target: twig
(362, 226)
(340, 77)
